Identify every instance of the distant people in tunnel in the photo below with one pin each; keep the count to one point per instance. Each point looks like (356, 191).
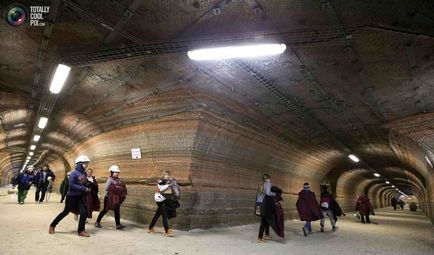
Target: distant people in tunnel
(308, 208)
(64, 186)
(74, 198)
(365, 208)
(166, 203)
(330, 208)
(42, 180)
(116, 193)
(24, 181)
(91, 198)
(401, 204)
(394, 202)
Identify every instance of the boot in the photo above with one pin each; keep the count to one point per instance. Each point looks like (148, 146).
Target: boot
(97, 224)
(261, 240)
(304, 231)
(151, 231)
(169, 233)
(120, 227)
(84, 234)
(322, 228)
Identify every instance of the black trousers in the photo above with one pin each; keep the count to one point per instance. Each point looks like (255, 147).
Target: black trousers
(161, 211)
(63, 198)
(43, 189)
(264, 227)
(71, 203)
(104, 211)
(367, 218)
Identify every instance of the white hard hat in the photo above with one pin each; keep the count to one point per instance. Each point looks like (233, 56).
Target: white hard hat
(82, 158)
(49, 178)
(114, 169)
(30, 168)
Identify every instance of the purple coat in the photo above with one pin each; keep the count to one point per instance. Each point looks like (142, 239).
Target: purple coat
(307, 206)
(364, 206)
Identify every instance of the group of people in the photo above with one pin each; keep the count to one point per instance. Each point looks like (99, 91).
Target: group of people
(79, 190)
(42, 180)
(270, 210)
(395, 202)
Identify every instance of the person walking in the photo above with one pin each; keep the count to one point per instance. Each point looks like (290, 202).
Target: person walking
(114, 189)
(163, 198)
(64, 186)
(91, 198)
(74, 197)
(24, 180)
(394, 203)
(365, 208)
(42, 182)
(329, 207)
(308, 208)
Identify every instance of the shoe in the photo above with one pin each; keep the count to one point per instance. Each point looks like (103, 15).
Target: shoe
(304, 231)
(83, 234)
(120, 227)
(97, 224)
(169, 233)
(322, 229)
(51, 230)
(309, 232)
(333, 228)
(267, 237)
(261, 240)
(151, 231)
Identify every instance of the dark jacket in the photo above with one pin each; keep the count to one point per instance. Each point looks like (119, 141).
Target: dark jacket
(91, 198)
(394, 201)
(272, 211)
(40, 181)
(77, 180)
(24, 181)
(64, 186)
(307, 206)
(364, 206)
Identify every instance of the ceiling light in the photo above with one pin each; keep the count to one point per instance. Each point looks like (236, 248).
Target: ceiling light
(33, 147)
(387, 182)
(393, 186)
(36, 138)
(62, 72)
(353, 158)
(237, 52)
(42, 122)
(377, 175)
(31, 153)
(429, 161)
(398, 190)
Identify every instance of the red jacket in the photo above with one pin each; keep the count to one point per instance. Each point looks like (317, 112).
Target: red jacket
(364, 206)
(307, 206)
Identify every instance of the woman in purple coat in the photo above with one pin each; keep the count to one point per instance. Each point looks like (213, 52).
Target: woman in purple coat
(308, 208)
(365, 208)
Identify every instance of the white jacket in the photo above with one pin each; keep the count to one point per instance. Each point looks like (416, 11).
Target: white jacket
(158, 197)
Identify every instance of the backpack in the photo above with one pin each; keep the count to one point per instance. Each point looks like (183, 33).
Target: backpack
(325, 201)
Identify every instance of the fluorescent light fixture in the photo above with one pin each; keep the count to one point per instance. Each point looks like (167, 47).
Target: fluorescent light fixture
(62, 72)
(31, 153)
(387, 182)
(244, 51)
(36, 138)
(42, 122)
(33, 147)
(353, 158)
(393, 186)
(429, 161)
(398, 190)
(377, 175)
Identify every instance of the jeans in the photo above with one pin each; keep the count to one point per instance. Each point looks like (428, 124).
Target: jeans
(43, 189)
(104, 211)
(71, 203)
(161, 210)
(328, 213)
(308, 226)
(264, 227)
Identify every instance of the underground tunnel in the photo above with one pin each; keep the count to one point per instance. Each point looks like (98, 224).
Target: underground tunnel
(335, 93)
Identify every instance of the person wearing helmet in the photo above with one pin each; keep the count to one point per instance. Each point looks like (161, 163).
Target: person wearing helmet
(42, 181)
(74, 197)
(111, 184)
(24, 180)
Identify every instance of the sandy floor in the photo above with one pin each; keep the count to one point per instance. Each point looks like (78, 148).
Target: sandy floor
(24, 230)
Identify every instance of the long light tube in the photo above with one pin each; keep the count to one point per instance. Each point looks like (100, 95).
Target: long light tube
(354, 158)
(377, 175)
(32, 147)
(246, 51)
(62, 72)
(36, 138)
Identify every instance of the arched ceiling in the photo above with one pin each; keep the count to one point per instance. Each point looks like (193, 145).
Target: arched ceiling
(370, 93)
